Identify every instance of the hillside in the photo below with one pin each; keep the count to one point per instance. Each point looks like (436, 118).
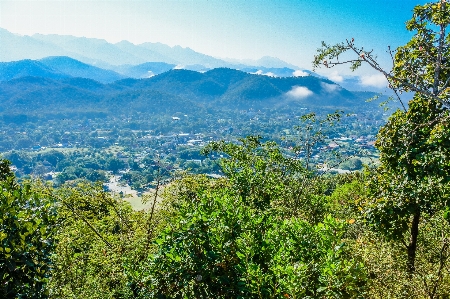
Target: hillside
(174, 90)
(75, 68)
(55, 67)
(24, 68)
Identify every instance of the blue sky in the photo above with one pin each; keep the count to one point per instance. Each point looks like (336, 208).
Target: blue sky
(291, 30)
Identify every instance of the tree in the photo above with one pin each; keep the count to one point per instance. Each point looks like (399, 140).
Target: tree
(414, 176)
(220, 244)
(27, 228)
(258, 171)
(114, 165)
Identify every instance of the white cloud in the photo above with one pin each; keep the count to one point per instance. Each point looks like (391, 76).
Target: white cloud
(149, 74)
(299, 92)
(260, 72)
(330, 87)
(179, 67)
(335, 77)
(377, 80)
(299, 73)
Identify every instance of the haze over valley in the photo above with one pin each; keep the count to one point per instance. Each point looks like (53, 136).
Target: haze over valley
(68, 93)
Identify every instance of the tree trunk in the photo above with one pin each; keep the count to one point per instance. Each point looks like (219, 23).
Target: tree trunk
(413, 242)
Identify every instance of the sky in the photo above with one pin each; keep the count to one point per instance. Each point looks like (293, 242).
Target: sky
(291, 30)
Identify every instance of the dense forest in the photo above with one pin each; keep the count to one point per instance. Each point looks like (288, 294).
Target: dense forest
(272, 225)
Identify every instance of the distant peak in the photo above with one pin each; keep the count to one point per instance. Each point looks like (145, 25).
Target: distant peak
(124, 42)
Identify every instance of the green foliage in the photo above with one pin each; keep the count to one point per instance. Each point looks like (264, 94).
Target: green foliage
(27, 228)
(420, 64)
(258, 171)
(415, 172)
(220, 247)
(352, 164)
(97, 234)
(413, 179)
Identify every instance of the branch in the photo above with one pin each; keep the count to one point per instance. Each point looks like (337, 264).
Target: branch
(334, 52)
(444, 87)
(437, 69)
(87, 222)
(369, 60)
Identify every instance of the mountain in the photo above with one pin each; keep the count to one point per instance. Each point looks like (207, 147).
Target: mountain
(100, 53)
(90, 50)
(146, 54)
(265, 61)
(25, 68)
(144, 70)
(185, 56)
(173, 91)
(274, 62)
(56, 67)
(226, 88)
(16, 47)
(75, 68)
(273, 72)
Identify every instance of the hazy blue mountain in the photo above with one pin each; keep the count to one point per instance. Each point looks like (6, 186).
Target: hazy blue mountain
(275, 72)
(75, 68)
(144, 70)
(196, 67)
(229, 87)
(185, 56)
(35, 96)
(24, 68)
(219, 88)
(274, 62)
(99, 51)
(55, 67)
(15, 47)
(266, 61)
(90, 50)
(127, 58)
(147, 55)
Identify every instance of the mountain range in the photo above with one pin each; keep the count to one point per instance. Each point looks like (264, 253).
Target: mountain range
(100, 53)
(172, 91)
(53, 74)
(140, 61)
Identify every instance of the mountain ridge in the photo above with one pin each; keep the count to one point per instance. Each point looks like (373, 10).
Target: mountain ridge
(220, 88)
(99, 52)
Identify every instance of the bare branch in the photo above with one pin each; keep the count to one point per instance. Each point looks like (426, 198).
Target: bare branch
(398, 98)
(375, 66)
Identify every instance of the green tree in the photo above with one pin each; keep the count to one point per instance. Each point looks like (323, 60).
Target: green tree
(258, 171)
(96, 235)
(413, 179)
(27, 227)
(114, 165)
(219, 245)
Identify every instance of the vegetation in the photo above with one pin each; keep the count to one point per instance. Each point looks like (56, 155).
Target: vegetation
(26, 235)
(274, 225)
(414, 149)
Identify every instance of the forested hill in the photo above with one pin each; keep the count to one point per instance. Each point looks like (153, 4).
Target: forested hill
(56, 67)
(175, 90)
